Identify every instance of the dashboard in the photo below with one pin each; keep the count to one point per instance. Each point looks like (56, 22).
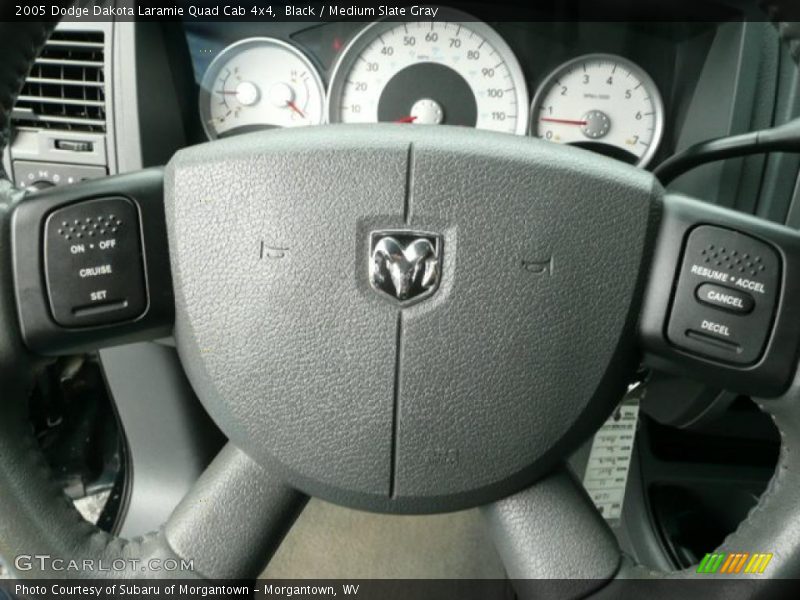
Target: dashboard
(600, 86)
(637, 91)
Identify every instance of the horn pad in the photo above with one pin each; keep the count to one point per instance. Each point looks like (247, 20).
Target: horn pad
(521, 349)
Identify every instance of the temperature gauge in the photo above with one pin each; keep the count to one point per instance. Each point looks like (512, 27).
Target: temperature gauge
(260, 83)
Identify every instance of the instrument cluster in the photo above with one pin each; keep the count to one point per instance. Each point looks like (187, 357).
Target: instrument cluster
(456, 71)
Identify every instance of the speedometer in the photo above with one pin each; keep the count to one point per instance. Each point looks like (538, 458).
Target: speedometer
(430, 73)
(601, 102)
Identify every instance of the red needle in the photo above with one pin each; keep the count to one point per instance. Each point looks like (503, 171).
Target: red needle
(294, 107)
(409, 119)
(563, 121)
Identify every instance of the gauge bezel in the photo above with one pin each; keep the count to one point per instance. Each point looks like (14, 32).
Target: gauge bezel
(644, 77)
(367, 35)
(219, 60)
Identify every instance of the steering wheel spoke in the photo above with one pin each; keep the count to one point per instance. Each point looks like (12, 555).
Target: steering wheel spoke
(235, 515)
(228, 525)
(91, 264)
(720, 306)
(236, 503)
(722, 297)
(556, 508)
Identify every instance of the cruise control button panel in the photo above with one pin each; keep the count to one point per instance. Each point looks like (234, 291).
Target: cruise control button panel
(726, 295)
(93, 263)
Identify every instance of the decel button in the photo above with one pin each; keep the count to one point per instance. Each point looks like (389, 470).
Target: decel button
(725, 298)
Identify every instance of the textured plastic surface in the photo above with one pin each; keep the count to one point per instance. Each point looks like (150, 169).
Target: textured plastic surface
(556, 508)
(453, 401)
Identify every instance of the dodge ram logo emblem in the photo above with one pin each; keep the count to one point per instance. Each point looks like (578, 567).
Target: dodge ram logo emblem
(405, 264)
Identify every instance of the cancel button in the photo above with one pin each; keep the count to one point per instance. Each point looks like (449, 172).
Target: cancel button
(726, 298)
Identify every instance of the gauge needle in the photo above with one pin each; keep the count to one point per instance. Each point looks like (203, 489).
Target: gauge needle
(409, 119)
(563, 121)
(294, 107)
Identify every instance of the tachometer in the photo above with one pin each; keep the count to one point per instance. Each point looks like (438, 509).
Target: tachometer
(429, 73)
(259, 83)
(601, 102)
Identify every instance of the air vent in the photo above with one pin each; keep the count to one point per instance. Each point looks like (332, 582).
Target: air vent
(66, 87)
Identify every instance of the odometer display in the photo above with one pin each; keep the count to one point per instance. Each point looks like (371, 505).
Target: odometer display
(430, 73)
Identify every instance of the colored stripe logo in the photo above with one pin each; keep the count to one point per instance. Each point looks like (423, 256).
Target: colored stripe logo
(734, 563)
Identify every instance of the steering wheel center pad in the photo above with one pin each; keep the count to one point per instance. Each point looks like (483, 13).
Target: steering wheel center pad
(455, 400)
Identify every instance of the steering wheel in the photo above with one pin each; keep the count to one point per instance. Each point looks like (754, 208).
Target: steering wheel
(394, 318)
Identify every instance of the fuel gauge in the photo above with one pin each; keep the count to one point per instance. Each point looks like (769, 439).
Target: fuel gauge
(260, 83)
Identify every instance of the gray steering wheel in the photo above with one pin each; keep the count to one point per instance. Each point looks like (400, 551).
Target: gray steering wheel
(525, 263)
